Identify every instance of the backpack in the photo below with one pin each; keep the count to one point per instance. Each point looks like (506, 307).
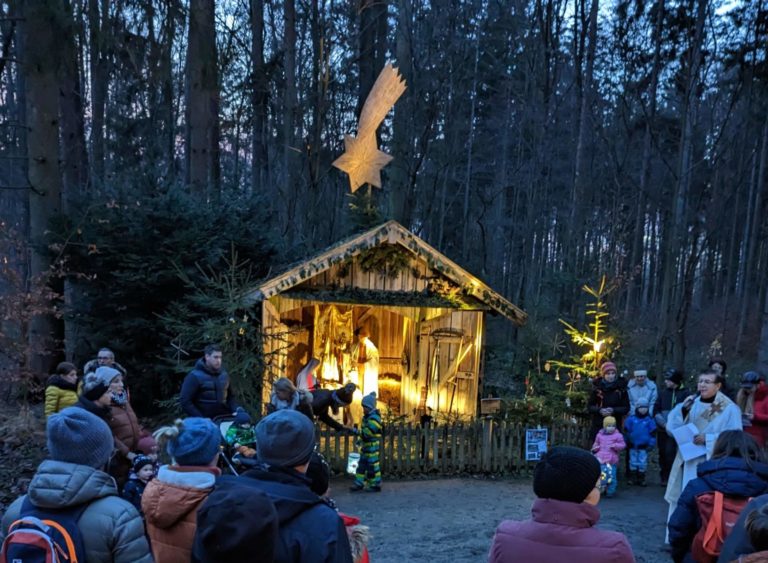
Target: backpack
(44, 536)
(719, 514)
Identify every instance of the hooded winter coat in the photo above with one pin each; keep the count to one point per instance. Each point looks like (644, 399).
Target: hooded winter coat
(730, 476)
(170, 502)
(207, 394)
(310, 530)
(608, 395)
(59, 394)
(559, 531)
(607, 446)
(111, 528)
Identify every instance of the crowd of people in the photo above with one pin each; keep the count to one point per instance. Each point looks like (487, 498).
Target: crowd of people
(113, 501)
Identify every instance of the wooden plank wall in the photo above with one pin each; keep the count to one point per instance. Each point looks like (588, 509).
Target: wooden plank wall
(413, 278)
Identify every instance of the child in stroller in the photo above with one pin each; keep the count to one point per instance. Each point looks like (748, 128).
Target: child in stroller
(240, 436)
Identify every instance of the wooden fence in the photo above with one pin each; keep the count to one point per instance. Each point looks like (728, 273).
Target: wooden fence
(484, 446)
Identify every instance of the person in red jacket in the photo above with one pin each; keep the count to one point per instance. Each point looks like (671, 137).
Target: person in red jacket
(752, 399)
(563, 517)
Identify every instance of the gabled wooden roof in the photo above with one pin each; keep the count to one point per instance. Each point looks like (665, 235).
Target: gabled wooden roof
(390, 232)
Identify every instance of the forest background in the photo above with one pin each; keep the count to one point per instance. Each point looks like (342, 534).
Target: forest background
(157, 156)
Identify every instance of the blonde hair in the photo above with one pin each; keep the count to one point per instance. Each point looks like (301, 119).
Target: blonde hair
(284, 384)
(167, 434)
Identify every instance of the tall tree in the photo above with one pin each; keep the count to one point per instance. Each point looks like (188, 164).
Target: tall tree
(43, 27)
(203, 171)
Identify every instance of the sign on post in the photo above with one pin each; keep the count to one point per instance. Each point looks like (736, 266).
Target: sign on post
(535, 443)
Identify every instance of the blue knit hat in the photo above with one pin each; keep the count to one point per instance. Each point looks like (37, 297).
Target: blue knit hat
(241, 417)
(77, 436)
(197, 443)
(369, 401)
(285, 438)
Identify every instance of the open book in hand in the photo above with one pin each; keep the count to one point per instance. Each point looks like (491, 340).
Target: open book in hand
(684, 436)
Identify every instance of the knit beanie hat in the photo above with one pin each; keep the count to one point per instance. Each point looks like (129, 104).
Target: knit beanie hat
(140, 461)
(285, 438)
(237, 523)
(674, 376)
(197, 443)
(319, 474)
(566, 473)
(606, 366)
(345, 394)
(97, 383)
(369, 401)
(77, 436)
(609, 421)
(241, 417)
(147, 445)
(641, 372)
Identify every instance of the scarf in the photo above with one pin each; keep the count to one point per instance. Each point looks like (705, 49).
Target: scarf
(119, 399)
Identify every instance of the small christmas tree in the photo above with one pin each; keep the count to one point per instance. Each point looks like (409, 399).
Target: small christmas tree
(595, 342)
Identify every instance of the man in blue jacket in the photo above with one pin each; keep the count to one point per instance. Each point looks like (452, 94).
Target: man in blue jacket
(206, 391)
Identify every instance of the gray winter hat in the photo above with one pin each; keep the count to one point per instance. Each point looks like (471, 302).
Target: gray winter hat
(77, 436)
(285, 438)
(97, 383)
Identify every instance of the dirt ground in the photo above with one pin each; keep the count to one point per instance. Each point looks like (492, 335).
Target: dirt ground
(453, 520)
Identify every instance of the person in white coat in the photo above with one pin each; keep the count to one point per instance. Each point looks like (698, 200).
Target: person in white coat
(711, 412)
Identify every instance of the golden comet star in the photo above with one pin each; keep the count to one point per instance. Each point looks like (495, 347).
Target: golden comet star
(362, 160)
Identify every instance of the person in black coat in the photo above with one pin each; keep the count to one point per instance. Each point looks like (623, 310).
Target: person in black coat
(324, 400)
(737, 469)
(206, 391)
(609, 397)
(671, 395)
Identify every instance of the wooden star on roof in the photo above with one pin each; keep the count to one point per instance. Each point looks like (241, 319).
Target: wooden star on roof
(362, 160)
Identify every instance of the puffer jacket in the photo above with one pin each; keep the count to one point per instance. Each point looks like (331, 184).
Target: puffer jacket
(640, 431)
(125, 428)
(729, 475)
(111, 529)
(170, 502)
(59, 394)
(607, 446)
(559, 531)
(207, 394)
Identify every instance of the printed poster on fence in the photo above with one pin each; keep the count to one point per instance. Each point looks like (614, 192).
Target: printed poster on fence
(535, 443)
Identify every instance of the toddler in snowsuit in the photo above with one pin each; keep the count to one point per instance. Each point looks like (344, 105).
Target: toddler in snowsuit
(641, 430)
(608, 443)
(143, 471)
(368, 469)
(241, 435)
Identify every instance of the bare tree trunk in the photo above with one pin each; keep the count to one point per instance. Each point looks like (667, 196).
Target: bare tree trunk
(289, 119)
(44, 30)
(645, 167)
(98, 18)
(259, 99)
(202, 109)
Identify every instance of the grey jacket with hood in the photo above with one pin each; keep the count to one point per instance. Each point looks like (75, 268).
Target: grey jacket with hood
(111, 528)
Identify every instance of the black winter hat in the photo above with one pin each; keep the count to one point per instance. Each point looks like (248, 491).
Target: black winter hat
(566, 473)
(319, 474)
(674, 376)
(237, 522)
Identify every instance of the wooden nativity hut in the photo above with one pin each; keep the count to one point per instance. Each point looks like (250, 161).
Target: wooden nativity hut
(423, 312)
